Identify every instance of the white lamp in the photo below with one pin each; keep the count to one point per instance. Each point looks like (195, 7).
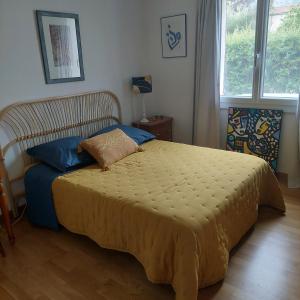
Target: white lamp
(141, 86)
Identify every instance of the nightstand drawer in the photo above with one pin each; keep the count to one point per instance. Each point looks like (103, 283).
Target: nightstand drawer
(163, 133)
(160, 126)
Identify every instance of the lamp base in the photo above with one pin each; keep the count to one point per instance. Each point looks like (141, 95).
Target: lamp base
(144, 120)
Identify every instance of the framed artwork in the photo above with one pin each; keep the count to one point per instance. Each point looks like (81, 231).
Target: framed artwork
(60, 46)
(256, 132)
(174, 36)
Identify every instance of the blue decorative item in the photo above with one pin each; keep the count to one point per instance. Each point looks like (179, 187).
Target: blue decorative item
(173, 36)
(140, 86)
(256, 132)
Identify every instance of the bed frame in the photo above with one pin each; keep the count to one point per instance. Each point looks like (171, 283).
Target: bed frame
(28, 124)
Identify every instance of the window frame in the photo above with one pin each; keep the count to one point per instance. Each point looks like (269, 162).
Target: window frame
(288, 104)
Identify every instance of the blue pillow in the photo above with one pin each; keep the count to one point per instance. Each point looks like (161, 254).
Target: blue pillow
(138, 135)
(62, 154)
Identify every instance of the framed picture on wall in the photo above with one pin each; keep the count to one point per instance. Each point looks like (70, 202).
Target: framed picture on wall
(60, 46)
(174, 36)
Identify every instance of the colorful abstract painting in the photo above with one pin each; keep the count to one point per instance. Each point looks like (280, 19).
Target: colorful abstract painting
(255, 132)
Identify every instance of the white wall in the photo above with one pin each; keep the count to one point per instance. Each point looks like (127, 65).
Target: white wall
(173, 84)
(173, 79)
(112, 44)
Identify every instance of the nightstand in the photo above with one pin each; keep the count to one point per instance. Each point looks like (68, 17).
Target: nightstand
(160, 126)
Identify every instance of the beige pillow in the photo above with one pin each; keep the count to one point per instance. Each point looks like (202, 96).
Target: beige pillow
(108, 148)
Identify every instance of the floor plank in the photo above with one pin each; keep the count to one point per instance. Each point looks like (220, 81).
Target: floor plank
(47, 265)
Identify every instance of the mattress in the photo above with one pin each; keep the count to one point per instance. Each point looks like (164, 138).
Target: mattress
(178, 209)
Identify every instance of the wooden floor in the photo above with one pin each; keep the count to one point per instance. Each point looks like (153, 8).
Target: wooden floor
(50, 265)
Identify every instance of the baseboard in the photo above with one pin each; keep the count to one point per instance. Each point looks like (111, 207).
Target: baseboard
(282, 178)
(288, 181)
(294, 183)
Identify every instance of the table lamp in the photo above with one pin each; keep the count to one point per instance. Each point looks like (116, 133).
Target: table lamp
(141, 86)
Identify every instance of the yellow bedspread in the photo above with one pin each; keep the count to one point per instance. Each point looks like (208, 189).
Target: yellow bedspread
(178, 209)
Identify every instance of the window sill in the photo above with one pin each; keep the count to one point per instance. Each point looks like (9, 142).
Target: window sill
(287, 105)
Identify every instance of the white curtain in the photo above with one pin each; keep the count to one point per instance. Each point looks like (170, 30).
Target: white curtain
(298, 124)
(207, 74)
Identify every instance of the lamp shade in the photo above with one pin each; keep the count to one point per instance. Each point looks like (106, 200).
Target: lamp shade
(142, 85)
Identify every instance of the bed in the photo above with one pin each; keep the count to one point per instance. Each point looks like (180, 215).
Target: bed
(178, 209)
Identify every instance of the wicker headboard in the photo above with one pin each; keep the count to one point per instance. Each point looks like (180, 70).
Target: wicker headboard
(28, 124)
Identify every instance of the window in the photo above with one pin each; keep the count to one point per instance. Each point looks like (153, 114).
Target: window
(261, 49)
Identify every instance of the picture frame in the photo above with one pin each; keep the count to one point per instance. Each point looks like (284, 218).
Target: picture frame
(174, 36)
(60, 42)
